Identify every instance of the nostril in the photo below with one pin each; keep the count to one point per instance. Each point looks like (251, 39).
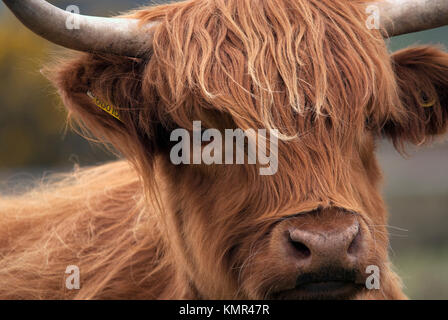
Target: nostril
(355, 245)
(300, 248)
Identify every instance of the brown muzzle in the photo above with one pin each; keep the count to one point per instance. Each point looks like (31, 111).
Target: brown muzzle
(325, 250)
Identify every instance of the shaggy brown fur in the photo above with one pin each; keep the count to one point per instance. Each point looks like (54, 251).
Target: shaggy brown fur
(144, 228)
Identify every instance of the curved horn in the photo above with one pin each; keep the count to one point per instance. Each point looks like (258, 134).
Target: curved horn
(118, 36)
(399, 17)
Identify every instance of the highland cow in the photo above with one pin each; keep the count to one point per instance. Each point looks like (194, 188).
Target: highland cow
(145, 228)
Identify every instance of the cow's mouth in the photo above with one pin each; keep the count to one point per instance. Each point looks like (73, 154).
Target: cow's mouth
(338, 286)
(325, 290)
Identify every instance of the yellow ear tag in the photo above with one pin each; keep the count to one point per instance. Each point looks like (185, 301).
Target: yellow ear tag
(110, 109)
(429, 104)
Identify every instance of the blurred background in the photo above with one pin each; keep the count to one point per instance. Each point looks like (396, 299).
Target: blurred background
(34, 142)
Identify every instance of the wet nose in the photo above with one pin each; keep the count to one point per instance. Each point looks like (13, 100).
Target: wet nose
(319, 242)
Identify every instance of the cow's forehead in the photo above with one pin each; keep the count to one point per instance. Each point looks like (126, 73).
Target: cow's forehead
(297, 66)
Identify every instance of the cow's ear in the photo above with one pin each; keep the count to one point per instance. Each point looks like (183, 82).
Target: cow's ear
(422, 77)
(103, 94)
